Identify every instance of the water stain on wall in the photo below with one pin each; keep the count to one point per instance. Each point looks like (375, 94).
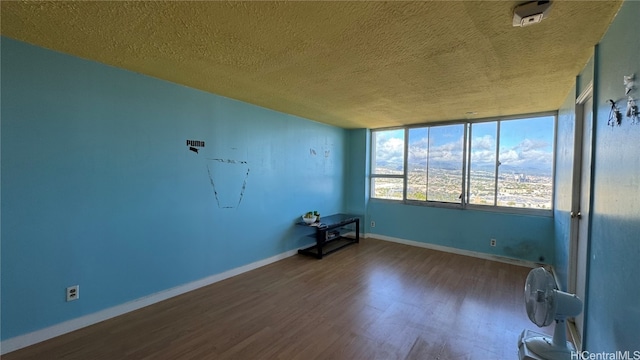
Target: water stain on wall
(523, 250)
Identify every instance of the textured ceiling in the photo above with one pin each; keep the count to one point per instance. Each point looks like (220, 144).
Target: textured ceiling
(351, 64)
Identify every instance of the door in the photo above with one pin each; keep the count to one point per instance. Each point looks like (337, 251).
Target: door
(580, 202)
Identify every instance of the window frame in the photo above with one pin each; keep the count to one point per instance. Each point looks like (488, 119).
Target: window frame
(466, 168)
(373, 176)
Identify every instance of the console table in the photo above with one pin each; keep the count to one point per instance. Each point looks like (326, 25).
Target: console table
(330, 233)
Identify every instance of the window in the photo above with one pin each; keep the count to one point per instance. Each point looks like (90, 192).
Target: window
(505, 163)
(511, 163)
(482, 164)
(434, 166)
(387, 179)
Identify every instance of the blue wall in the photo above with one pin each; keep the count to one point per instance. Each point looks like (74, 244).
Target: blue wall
(564, 186)
(99, 188)
(518, 236)
(357, 179)
(613, 316)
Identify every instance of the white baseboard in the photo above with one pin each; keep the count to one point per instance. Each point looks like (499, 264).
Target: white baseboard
(476, 254)
(37, 336)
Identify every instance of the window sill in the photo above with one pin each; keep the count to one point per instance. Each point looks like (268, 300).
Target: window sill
(488, 208)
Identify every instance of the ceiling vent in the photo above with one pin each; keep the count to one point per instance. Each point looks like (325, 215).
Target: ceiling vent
(531, 13)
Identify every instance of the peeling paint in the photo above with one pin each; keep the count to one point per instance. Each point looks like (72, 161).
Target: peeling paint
(216, 193)
(244, 186)
(228, 161)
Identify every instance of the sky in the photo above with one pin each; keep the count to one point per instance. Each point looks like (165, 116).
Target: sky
(526, 146)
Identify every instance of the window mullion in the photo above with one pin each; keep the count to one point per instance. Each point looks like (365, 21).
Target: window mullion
(497, 167)
(406, 164)
(426, 193)
(466, 142)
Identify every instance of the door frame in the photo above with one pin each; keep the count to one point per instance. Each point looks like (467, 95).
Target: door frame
(581, 100)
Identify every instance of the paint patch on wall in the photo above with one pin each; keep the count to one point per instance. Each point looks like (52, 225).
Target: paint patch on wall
(228, 180)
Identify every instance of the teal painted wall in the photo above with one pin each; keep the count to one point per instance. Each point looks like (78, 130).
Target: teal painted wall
(518, 236)
(356, 181)
(613, 317)
(99, 188)
(563, 181)
(585, 77)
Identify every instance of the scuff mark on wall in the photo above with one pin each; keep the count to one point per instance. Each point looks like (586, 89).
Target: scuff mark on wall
(213, 185)
(232, 173)
(228, 161)
(244, 186)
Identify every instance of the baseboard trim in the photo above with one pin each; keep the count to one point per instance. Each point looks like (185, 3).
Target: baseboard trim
(37, 336)
(476, 254)
(574, 335)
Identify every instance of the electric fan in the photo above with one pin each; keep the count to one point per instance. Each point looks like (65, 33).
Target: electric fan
(545, 303)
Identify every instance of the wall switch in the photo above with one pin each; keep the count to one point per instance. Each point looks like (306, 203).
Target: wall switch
(373, 224)
(493, 242)
(73, 292)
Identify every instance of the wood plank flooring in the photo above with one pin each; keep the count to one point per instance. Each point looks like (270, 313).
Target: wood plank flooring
(373, 300)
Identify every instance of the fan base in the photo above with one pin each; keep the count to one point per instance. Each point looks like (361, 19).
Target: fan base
(524, 353)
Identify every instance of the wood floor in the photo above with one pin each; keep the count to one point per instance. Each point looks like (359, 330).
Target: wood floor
(373, 300)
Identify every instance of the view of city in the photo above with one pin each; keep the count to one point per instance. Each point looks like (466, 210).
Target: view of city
(435, 157)
(514, 190)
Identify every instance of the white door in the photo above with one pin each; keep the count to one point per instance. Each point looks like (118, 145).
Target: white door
(581, 202)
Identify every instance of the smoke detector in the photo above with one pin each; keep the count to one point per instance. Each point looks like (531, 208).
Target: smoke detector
(530, 13)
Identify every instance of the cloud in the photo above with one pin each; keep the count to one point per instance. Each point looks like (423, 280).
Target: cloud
(532, 144)
(483, 157)
(486, 142)
(527, 156)
(529, 153)
(390, 151)
(483, 151)
(449, 153)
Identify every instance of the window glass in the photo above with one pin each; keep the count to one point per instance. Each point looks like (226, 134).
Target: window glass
(510, 163)
(482, 166)
(388, 157)
(387, 188)
(417, 164)
(444, 164)
(526, 163)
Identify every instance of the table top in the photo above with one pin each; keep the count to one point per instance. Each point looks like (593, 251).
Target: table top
(331, 220)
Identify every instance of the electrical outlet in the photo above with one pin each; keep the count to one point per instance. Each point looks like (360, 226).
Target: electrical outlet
(493, 242)
(373, 224)
(73, 292)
